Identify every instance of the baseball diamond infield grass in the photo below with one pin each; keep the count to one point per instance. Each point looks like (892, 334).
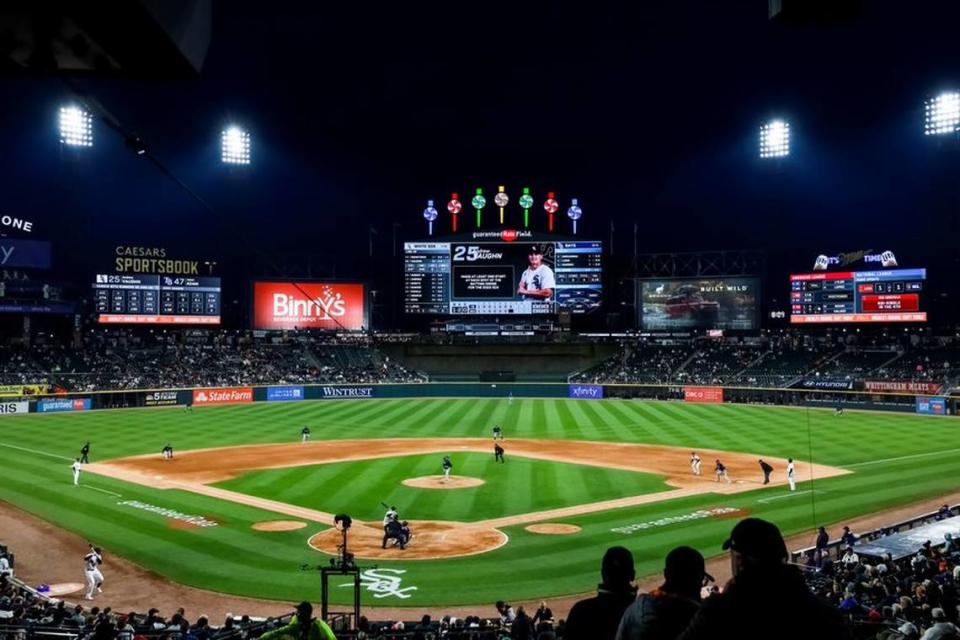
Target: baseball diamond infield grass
(894, 459)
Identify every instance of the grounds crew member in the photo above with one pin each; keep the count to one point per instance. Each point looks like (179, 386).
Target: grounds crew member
(303, 626)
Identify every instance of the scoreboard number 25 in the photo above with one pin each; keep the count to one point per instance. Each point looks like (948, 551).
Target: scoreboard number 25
(466, 254)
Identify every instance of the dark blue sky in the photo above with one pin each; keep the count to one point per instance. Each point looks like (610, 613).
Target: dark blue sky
(646, 113)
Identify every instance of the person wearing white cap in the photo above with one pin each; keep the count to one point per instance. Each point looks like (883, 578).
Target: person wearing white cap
(942, 628)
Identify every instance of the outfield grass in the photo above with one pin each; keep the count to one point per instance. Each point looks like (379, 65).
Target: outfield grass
(896, 459)
(519, 485)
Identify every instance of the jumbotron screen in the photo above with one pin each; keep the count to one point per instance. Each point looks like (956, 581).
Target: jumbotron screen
(149, 299)
(703, 303)
(323, 305)
(891, 295)
(493, 278)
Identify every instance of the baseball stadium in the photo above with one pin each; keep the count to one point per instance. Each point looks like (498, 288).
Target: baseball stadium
(281, 351)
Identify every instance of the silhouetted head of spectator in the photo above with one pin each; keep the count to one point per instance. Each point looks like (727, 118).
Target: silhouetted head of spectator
(683, 572)
(755, 542)
(617, 569)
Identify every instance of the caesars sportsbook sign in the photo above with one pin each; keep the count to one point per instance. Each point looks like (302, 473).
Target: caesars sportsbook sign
(309, 305)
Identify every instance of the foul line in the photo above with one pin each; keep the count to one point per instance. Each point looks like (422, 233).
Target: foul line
(930, 454)
(112, 493)
(41, 453)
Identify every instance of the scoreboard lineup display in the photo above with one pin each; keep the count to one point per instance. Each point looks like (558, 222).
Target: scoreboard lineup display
(148, 299)
(483, 278)
(858, 296)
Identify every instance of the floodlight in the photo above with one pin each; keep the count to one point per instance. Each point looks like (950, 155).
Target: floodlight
(76, 126)
(235, 148)
(942, 114)
(775, 139)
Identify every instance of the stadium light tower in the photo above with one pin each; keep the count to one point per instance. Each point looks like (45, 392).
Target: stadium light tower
(942, 114)
(775, 139)
(76, 126)
(235, 146)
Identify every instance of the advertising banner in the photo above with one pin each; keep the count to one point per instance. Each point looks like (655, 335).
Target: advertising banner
(284, 394)
(237, 395)
(585, 391)
(309, 305)
(63, 404)
(926, 388)
(932, 406)
(12, 408)
(346, 392)
(161, 399)
(823, 385)
(707, 395)
(29, 254)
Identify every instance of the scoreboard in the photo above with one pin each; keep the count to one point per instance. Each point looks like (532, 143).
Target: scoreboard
(482, 278)
(149, 299)
(893, 295)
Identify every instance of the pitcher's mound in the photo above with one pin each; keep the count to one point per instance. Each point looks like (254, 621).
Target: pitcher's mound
(437, 482)
(278, 525)
(553, 529)
(431, 541)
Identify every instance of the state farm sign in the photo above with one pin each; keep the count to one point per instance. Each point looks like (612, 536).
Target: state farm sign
(238, 395)
(309, 305)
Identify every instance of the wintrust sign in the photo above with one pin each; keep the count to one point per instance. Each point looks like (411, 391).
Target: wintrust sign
(309, 305)
(238, 395)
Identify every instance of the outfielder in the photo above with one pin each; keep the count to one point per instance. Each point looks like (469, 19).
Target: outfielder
(694, 463)
(447, 468)
(91, 571)
(721, 471)
(305, 434)
(791, 475)
(76, 471)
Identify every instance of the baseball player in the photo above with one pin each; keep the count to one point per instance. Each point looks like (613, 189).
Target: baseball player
(721, 472)
(838, 411)
(447, 468)
(791, 475)
(167, 452)
(305, 434)
(389, 517)
(695, 463)
(497, 452)
(537, 281)
(85, 454)
(497, 432)
(76, 471)
(510, 398)
(767, 470)
(91, 571)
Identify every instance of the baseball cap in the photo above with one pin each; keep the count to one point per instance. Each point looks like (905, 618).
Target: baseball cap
(536, 249)
(938, 614)
(757, 539)
(304, 607)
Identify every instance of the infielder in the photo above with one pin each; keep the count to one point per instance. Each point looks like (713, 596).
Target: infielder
(447, 468)
(721, 471)
(497, 432)
(167, 452)
(694, 463)
(91, 571)
(76, 471)
(791, 475)
(305, 434)
(85, 454)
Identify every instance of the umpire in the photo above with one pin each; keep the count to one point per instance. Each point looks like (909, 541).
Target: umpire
(767, 470)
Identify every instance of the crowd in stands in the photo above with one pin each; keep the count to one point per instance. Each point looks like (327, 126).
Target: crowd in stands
(778, 360)
(117, 359)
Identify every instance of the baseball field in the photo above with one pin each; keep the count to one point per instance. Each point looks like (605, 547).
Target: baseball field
(244, 505)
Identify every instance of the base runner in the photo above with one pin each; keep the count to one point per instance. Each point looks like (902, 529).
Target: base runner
(721, 471)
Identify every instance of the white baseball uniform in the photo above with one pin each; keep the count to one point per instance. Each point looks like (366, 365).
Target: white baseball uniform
(695, 464)
(538, 279)
(76, 472)
(447, 467)
(91, 571)
(389, 516)
(791, 477)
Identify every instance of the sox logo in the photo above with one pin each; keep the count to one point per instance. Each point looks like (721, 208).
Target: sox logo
(383, 583)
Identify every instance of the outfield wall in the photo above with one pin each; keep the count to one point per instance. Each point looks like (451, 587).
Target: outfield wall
(866, 400)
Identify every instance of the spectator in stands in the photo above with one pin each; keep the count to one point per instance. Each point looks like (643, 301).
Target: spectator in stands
(522, 627)
(303, 626)
(598, 617)
(944, 512)
(507, 614)
(847, 538)
(822, 544)
(542, 614)
(941, 628)
(850, 558)
(766, 598)
(664, 613)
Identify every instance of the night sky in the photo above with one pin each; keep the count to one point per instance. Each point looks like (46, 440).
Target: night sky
(648, 112)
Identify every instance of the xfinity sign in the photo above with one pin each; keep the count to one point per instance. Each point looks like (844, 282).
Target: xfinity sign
(585, 391)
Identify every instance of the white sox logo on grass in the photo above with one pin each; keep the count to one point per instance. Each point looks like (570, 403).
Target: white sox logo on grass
(383, 583)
